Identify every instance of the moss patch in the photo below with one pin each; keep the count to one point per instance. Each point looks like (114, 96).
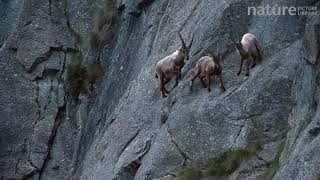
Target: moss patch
(94, 40)
(107, 15)
(221, 165)
(94, 71)
(75, 76)
(191, 173)
(228, 162)
(272, 170)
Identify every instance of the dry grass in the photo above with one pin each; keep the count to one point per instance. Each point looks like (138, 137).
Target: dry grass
(94, 71)
(75, 76)
(191, 173)
(221, 165)
(94, 40)
(108, 15)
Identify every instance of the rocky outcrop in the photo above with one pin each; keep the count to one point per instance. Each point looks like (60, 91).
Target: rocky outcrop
(123, 129)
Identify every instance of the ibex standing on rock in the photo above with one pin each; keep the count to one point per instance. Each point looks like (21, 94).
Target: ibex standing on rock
(249, 50)
(206, 67)
(171, 66)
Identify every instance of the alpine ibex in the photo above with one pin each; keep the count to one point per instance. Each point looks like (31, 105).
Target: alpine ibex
(206, 67)
(171, 66)
(249, 50)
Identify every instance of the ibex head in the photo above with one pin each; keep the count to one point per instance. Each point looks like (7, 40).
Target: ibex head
(217, 60)
(184, 49)
(237, 44)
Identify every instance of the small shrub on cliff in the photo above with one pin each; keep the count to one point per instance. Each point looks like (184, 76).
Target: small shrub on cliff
(141, 7)
(222, 165)
(94, 40)
(76, 35)
(107, 35)
(190, 173)
(75, 76)
(273, 168)
(109, 14)
(94, 71)
(228, 162)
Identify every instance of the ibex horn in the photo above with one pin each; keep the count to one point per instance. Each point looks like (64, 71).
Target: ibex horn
(191, 42)
(182, 41)
(238, 37)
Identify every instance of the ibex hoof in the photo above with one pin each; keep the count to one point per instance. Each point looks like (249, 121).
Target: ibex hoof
(223, 89)
(238, 74)
(163, 94)
(247, 74)
(209, 90)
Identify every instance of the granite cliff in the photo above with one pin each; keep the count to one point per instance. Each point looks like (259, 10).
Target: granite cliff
(121, 128)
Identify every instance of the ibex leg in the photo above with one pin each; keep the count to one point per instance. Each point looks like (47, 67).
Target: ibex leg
(193, 77)
(249, 61)
(241, 62)
(209, 83)
(162, 89)
(203, 82)
(221, 84)
(254, 62)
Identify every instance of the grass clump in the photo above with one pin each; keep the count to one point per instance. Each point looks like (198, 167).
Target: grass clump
(191, 173)
(76, 35)
(75, 76)
(94, 40)
(98, 39)
(221, 165)
(226, 162)
(229, 161)
(272, 170)
(108, 15)
(94, 71)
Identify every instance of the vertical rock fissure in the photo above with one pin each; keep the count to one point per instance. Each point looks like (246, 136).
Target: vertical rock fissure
(183, 154)
(239, 132)
(129, 142)
(50, 11)
(57, 123)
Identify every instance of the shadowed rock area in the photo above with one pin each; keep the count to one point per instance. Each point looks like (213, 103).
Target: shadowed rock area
(120, 128)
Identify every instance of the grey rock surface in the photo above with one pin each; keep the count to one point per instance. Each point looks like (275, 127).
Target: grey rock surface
(123, 129)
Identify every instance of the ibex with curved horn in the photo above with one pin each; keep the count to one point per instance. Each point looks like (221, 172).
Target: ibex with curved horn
(171, 66)
(248, 49)
(206, 67)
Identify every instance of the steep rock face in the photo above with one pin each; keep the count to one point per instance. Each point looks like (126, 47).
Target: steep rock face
(34, 102)
(9, 11)
(117, 131)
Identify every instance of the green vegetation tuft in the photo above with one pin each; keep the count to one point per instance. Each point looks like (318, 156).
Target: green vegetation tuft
(229, 161)
(190, 173)
(107, 15)
(272, 170)
(222, 165)
(318, 176)
(75, 76)
(94, 40)
(94, 71)
(76, 35)
(226, 162)
(107, 35)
